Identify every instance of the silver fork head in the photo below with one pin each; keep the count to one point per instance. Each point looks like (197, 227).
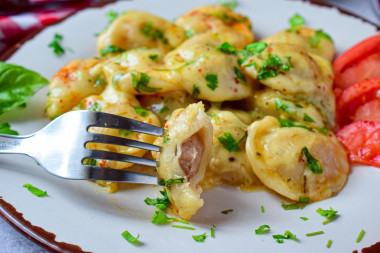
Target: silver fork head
(62, 146)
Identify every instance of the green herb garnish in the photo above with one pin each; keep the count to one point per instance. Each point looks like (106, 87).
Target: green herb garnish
(142, 83)
(250, 50)
(314, 41)
(273, 66)
(328, 243)
(130, 238)
(281, 105)
(304, 200)
(304, 218)
(360, 236)
(110, 49)
(291, 123)
(153, 56)
(111, 15)
(262, 230)
(141, 111)
(5, 128)
(307, 118)
(315, 233)
(124, 132)
(200, 238)
(262, 209)
(227, 211)
(184, 227)
(196, 91)
(329, 214)
(212, 81)
(227, 48)
(239, 74)
(91, 162)
(287, 236)
(153, 33)
(35, 191)
(312, 163)
(55, 44)
(290, 206)
(212, 231)
(295, 21)
(229, 4)
(229, 142)
(160, 203)
(164, 109)
(171, 181)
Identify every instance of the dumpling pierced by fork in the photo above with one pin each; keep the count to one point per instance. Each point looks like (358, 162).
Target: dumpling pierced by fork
(185, 153)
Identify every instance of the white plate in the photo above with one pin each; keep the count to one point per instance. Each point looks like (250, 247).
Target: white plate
(80, 213)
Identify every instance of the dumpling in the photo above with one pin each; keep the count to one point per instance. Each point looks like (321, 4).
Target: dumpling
(75, 81)
(206, 72)
(234, 27)
(134, 29)
(296, 162)
(185, 154)
(229, 163)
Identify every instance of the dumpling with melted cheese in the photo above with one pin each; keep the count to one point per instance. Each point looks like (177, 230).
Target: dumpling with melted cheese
(185, 154)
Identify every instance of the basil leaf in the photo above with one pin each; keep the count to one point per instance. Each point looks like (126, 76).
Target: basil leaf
(17, 84)
(35, 191)
(5, 128)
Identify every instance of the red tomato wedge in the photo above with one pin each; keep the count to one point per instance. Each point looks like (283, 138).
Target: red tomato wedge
(357, 63)
(359, 102)
(361, 140)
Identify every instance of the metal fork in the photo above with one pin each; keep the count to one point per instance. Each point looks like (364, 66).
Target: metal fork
(60, 147)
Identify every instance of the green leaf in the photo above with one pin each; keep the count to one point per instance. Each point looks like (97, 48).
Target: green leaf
(159, 218)
(273, 66)
(200, 238)
(153, 56)
(312, 163)
(304, 200)
(130, 238)
(110, 49)
(262, 230)
(281, 105)
(5, 128)
(229, 4)
(55, 44)
(319, 34)
(250, 50)
(141, 111)
(142, 83)
(295, 21)
(227, 48)
(239, 74)
(212, 81)
(17, 84)
(291, 123)
(35, 191)
(307, 118)
(229, 142)
(160, 203)
(196, 91)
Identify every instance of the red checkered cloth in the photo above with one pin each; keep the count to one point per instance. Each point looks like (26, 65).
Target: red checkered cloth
(18, 22)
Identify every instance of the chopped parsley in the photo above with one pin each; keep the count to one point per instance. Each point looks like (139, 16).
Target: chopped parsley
(5, 128)
(160, 203)
(111, 15)
(200, 238)
(304, 218)
(360, 236)
(196, 91)
(130, 238)
(295, 21)
(250, 50)
(164, 109)
(228, 19)
(91, 162)
(153, 33)
(227, 211)
(95, 107)
(262, 209)
(35, 191)
(239, 74)
(142, 83)
(159, 218)
(141, 111)
(184, 227)
(153, 56)
(291, 123)
(212, 81)
(287, 235)
(229, 4)
(273, 66)
(166, 140)
(171, 181)
(304, 200)
(124, 132)
(307, 118)
(312, 163)
(281, 105)
(55, 44)
(329, 214)
(328, 244)
(227, 48)
(262, 230)
(229, 142)
(184, 65)
(291, 206)
(110, 49)
(315, 233)
(212, 231)
(319, 34)
(189, 33)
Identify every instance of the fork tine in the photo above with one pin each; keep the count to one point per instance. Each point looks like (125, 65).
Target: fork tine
(101, 119)
(106, 155)
(102, 138)
(108, 174)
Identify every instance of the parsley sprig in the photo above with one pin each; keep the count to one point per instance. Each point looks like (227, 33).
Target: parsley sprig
(171, 181)
(229, 143)
(35, 191)
(312, 163)
(5, 128)
(56, 45)
(160, 203)
(273, 66)
(142, 83)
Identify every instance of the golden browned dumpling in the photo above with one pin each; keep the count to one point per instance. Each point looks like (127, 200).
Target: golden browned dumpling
(296, 162)
(185, 154)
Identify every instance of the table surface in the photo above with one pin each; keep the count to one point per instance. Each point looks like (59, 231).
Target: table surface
(12, 241)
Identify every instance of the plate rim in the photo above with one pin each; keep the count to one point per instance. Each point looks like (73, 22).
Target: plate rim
(38, 234)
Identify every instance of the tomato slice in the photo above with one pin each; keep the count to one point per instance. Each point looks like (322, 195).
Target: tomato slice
(361, 140)
(357, 96)
(357, 63)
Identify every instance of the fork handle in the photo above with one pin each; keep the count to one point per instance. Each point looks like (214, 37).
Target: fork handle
(10, 144)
